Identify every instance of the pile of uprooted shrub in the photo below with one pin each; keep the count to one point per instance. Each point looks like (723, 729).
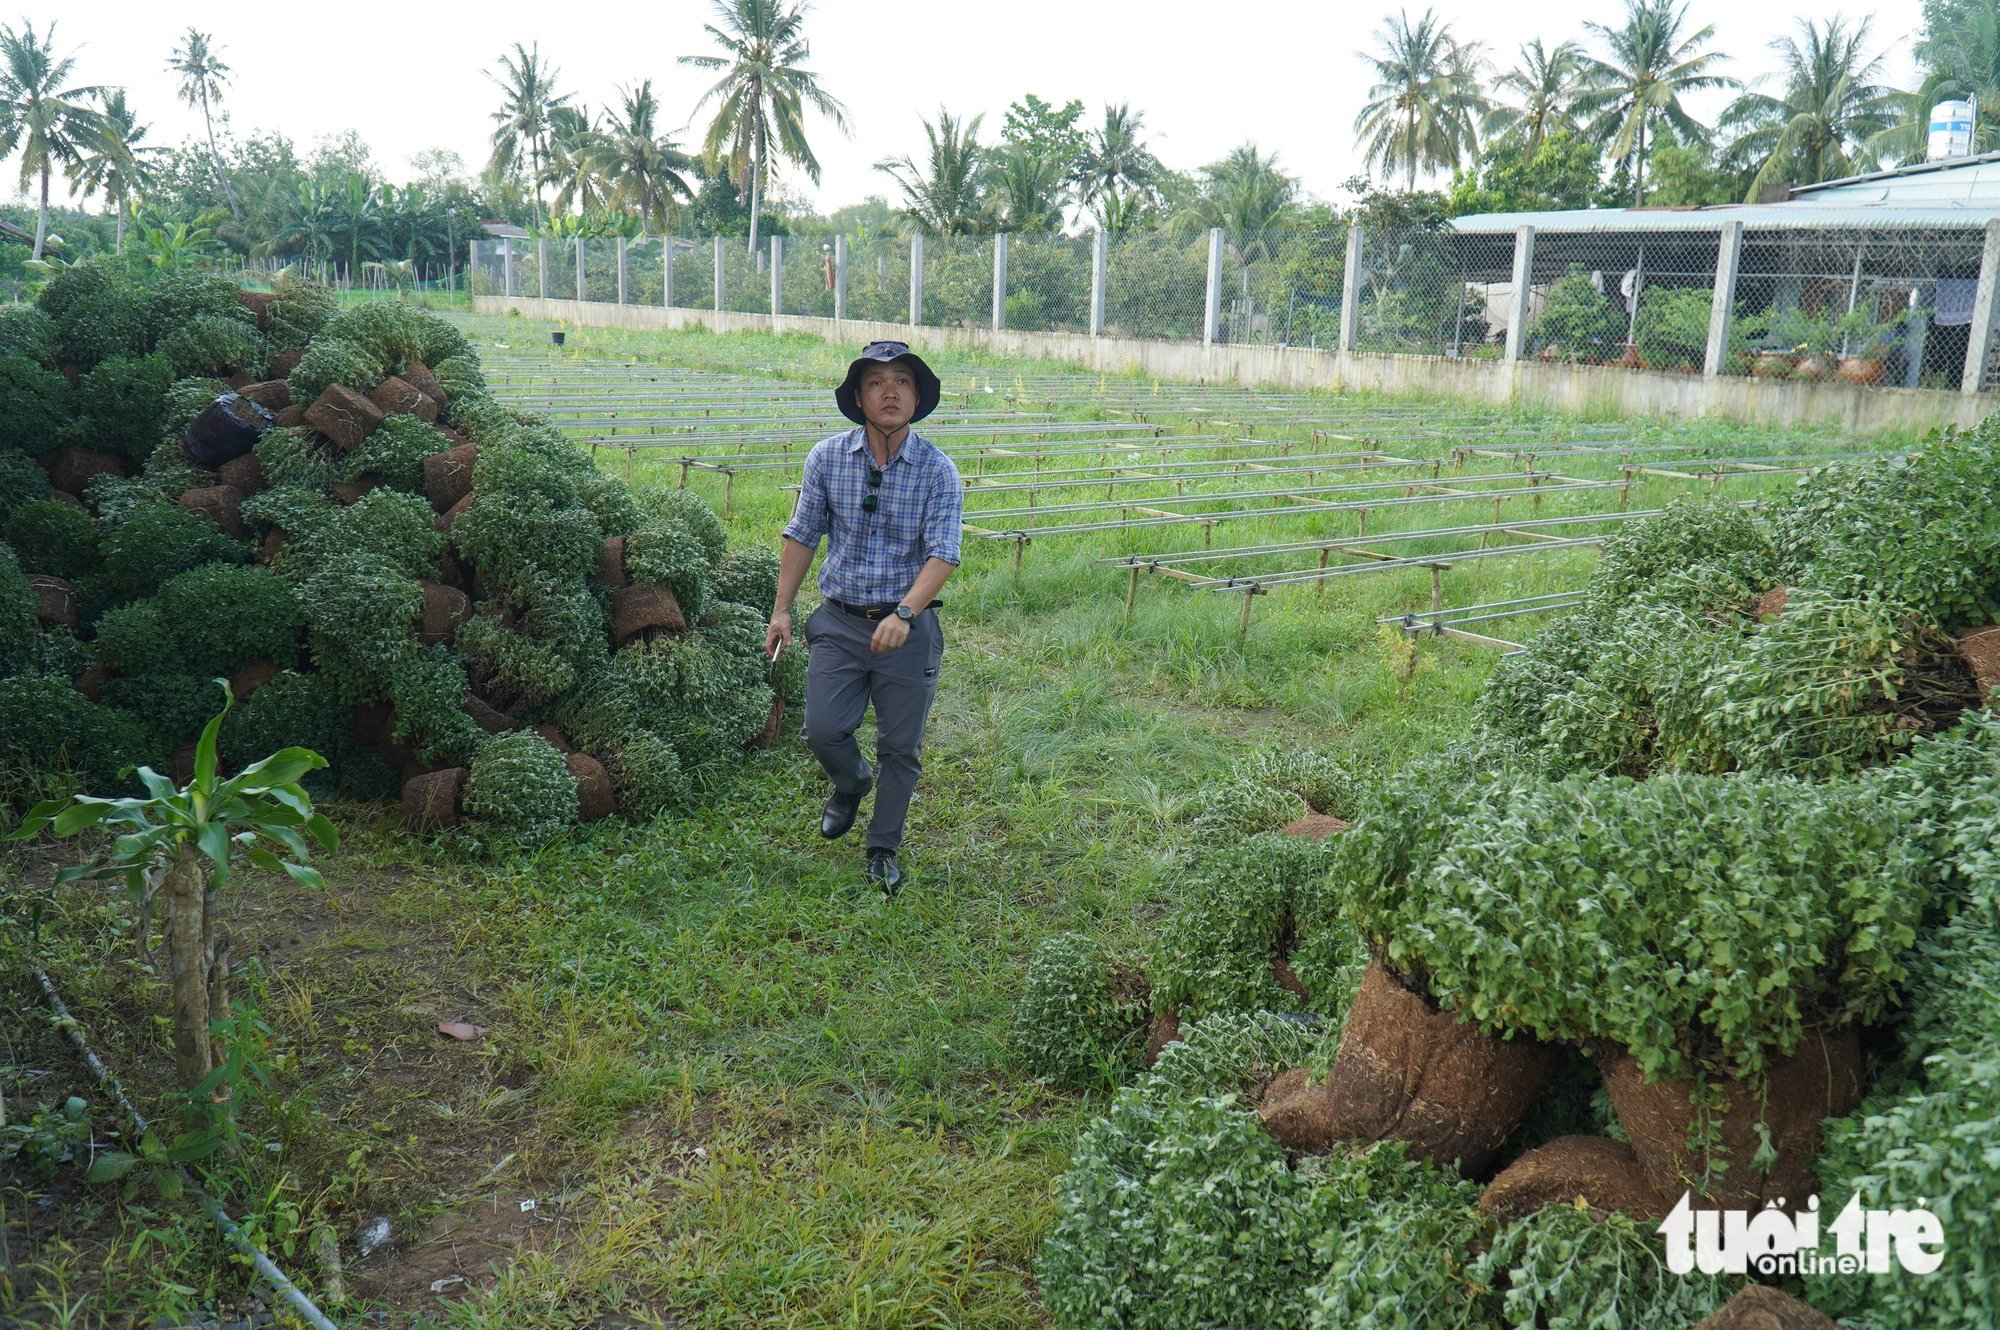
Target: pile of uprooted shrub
(440, 595)
(1708, 903)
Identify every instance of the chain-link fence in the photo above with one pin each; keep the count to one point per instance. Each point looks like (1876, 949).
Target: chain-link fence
(1883, 304)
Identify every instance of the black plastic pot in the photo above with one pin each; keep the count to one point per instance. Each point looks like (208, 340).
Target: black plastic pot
(557, 337)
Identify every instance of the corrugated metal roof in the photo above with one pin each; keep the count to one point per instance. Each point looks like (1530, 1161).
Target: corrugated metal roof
(1964, 182)
(1754, 216)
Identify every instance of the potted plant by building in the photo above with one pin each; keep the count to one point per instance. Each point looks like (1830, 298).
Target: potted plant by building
(1577, 322)
(1811, 338)
(1865, 341)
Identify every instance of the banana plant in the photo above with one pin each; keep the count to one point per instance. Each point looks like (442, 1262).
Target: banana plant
(175, 849)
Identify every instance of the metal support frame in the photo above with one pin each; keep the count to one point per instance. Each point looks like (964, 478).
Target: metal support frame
(1524, 269)
(1985, 313)
(1100, 252)
(999, 281)
(1211, 317)
(916, 280)
(1728, 262)
(1350, 293)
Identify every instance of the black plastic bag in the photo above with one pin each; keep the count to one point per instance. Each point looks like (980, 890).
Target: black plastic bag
(226, 430)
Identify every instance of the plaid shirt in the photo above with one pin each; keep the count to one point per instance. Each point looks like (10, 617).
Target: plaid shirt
(874, 558)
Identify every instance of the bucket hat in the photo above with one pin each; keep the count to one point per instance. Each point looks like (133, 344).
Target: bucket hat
(888, 353)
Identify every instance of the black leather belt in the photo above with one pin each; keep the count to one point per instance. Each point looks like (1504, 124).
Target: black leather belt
(873, 613)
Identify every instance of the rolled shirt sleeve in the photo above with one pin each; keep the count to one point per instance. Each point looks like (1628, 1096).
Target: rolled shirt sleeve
(944, 515)
(810, 516)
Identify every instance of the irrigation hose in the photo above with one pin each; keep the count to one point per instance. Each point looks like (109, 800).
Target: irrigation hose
(271, 1274)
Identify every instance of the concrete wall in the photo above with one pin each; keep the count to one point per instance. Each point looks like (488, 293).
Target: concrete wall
(1597, 390)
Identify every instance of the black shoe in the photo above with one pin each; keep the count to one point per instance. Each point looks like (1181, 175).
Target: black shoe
(840, 810)
(883, 872)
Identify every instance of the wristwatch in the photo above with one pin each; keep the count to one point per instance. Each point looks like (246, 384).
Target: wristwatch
(905, 613)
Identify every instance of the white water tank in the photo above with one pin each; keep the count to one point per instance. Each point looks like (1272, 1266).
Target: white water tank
(1951, 131)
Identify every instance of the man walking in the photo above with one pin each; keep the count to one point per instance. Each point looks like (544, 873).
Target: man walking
(890, 505)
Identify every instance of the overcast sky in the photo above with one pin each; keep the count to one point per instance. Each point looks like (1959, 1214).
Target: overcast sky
(1282, 74)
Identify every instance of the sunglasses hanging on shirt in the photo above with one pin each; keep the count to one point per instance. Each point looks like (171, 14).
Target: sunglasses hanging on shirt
(871, 501)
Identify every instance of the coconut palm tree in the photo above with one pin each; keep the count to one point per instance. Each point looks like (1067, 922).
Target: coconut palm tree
(1960, 54)
(762, 94)
(1832, 107)
(1422, 111)
(1545, 83)
(47, 123)
(572, 159)
(521, 125)
(942, 196)
(116, 160)
(1246, 195)
(1118, 173)
(642, 166)
(1026, 190)
(198, 60)
(1649, 63)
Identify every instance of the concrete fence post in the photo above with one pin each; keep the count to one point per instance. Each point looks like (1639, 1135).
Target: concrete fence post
(916, 281)
(777, 276)
(1985, 314)
(1728, 261)
(718, 274)
(471, 262)
(1211, 318)
(542, 266)
(1350, 293)
(1524, 271)
(579, 270)
(621, 270)
(999, 281)
(840, 277)
(1100, 247)
(667, 271)
(507, 265)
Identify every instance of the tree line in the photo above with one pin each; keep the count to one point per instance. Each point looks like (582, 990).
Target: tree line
(1595, 121)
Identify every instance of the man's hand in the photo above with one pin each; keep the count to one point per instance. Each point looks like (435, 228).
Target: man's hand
(891, 633)
(780, 630)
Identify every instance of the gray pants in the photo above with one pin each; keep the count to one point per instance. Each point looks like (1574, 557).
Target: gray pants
(842, 677)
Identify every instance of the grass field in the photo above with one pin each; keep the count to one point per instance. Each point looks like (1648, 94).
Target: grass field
(741, 1089)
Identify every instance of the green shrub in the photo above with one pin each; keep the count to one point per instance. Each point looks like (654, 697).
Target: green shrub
(509, 668)
(123, 405)
(329, 361)
(1238, 808)
(427, 688)
(748, 576)
(299, 512)
(439, 340)
(1327, 784)
(49, 730)
(1081, 1017)
(1243, 907)
(462, 382)
(174, 300)
(185, 400)
(292, 710)
(394, 454)
(219, 346)
(692, 513)
(361, 617)
(294, 457)
(396, 530)
(50, 536)
(645, 771)
(1671, 328)
(1613, 910)
(666, 551)
(1561, 1268)
(22, 480)
(1691, 530)
(17, 617)
(27, 332)
(610, 502)
(526, 527)
(477, 416)
(1578, 319)
(156, 541)
(96, 311)
(167, 474)
(136, 639)
(1236, 1053)
(227, 615)
(389, 331)
(170, 707)
(35, 405)
(298, 313)
(520, 789)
